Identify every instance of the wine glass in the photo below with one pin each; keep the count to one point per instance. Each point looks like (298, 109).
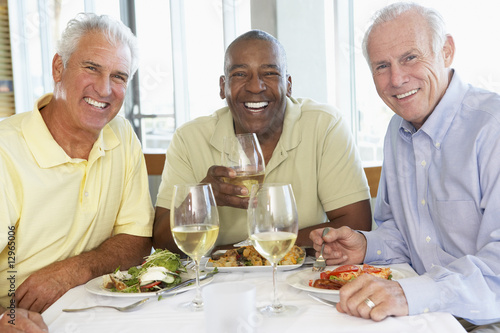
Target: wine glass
(194, 221)
(273, 226)
(242, 153)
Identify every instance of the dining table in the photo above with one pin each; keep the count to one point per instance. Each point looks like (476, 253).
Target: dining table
(167, 314)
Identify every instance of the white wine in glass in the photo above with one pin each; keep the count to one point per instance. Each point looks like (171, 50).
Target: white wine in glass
(194, 221)
(273, 227)
(244, 154)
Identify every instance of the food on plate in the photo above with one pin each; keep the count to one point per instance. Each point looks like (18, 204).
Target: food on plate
(248, 256)
(160, 270)
(335, 279)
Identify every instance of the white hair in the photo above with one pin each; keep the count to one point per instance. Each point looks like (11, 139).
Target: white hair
(434, 21)
(114, 30)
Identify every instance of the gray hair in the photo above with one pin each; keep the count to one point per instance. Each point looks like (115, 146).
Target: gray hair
(114, 30)
(257, 35)
(434, 20)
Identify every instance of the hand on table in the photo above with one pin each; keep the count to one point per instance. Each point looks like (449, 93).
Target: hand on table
(226, 194)
(342, 245)
(42, 288)
(387, 296)
(22, 320)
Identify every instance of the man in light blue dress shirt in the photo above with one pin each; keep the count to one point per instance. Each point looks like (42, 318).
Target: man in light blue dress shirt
(438, 203)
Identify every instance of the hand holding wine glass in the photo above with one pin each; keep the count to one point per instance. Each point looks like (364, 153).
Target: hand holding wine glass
(273, 227)
(244, 154)
(194, 221)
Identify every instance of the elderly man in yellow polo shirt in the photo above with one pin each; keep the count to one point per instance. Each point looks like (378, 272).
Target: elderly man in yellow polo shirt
(306, 144)
(74, 197)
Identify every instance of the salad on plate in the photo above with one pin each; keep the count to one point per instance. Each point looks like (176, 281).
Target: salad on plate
(162, 269)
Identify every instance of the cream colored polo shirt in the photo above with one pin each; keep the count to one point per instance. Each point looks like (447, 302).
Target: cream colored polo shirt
(60, 206)
(316, 154)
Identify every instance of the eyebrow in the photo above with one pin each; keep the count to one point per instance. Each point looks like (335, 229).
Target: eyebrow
(89, 62)
(234, 67)
(402, 56)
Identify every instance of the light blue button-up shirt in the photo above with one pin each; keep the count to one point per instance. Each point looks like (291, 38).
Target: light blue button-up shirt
(438, 205)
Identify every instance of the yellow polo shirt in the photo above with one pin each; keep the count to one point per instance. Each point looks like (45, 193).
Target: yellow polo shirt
(59, 206)
(316, 154)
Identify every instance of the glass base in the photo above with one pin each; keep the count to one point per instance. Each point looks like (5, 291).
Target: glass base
(192, 306)
(278, 311)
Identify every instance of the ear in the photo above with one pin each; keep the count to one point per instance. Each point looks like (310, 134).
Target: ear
(57, 68)
(288, 85)
(222, 86)
(448, 51)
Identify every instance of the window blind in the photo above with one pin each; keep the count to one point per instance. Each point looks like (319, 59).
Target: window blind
(7, 106)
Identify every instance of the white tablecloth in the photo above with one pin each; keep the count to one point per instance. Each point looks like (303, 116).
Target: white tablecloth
(166, 316)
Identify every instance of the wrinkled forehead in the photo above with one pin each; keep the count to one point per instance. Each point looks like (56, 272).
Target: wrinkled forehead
(401, 34)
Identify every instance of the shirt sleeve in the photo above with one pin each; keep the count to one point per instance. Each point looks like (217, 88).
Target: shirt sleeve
(464, 284)
(341, 168)
(136, 213)
(177, 170)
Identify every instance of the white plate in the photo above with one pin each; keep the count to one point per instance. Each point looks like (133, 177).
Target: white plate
(300, 280)
(95, 286)
(209, 266)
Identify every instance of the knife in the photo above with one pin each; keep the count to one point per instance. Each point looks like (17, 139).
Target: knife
(322, 300)
(185, 283)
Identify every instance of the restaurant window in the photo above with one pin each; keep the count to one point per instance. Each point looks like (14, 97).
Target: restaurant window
(182, 46)
(182, 50)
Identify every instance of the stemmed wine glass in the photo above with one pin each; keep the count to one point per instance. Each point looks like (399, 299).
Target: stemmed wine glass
(194, 221)
(243, 153)
(273, 227)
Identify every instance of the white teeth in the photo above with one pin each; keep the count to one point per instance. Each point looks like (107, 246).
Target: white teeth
(94, 103)
(257, 105)
(411, 92)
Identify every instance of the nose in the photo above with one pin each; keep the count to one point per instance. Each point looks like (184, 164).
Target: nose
(103, 85)
(398, 75)
(255, 84)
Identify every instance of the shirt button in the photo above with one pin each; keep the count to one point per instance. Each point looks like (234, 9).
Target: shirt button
(423, 163)
(437, 145)
(422, 202)
(428, 239)
(426, 310)
(379, 252)
(86, 194)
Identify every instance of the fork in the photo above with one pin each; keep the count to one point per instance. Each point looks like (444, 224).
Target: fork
(320, 263)
(127, 308)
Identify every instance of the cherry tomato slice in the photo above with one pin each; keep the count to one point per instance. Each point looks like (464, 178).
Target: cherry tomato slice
(150, 285)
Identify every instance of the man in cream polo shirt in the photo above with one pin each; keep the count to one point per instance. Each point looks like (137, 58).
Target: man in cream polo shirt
(74, 197)
(304, 143)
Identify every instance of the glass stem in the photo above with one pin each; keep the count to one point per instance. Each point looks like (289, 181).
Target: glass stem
(197, 301)
(277, 307)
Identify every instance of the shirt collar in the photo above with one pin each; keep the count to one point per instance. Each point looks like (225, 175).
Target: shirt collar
(45, 149)
(439, 122)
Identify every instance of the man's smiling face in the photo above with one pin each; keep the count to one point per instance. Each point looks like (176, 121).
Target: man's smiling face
(93, 84)
(255, 87)
(409, 77)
